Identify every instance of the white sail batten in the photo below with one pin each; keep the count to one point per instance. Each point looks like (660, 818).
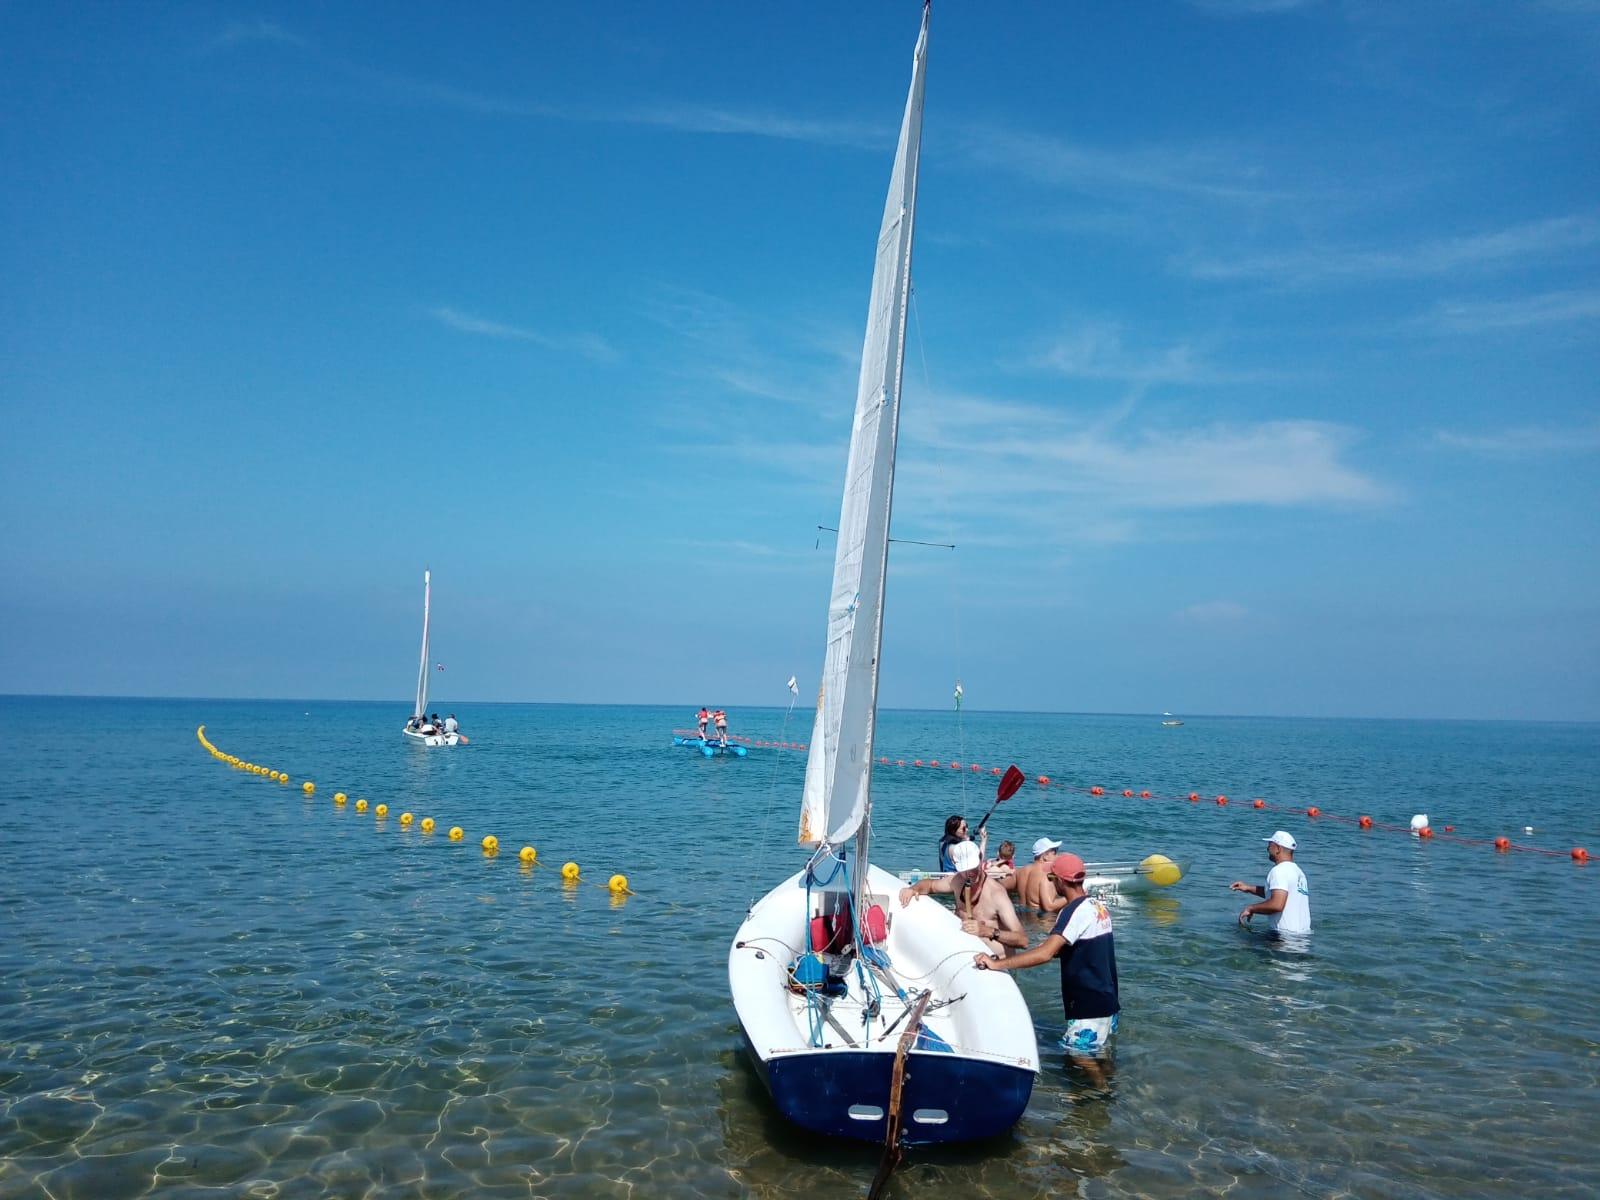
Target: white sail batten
(422, 669)
(839, 762)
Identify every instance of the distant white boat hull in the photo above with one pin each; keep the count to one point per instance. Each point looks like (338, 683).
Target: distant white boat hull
(968, 1076)
(432, 739)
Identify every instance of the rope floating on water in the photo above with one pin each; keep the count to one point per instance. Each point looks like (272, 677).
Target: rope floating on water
(1503, 845)
(528, 856)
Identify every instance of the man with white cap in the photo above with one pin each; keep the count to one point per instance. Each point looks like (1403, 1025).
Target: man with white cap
(982, 904)
(1032, 883)
(1287, 894)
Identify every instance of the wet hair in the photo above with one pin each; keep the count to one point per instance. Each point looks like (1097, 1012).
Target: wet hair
(951, 824)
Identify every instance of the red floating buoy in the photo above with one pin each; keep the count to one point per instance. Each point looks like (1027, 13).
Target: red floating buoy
(955, 766)
(976, 767)
(1127, 791)
(1145, 795)
(1258, 803)
(1194, 795)
(994, 771)
(1579, 854)
(1365, 822)
(1097, 790)
(899, 762)
(883, 762)
(1425, 832)
(1449, 828)
(1222, 801)
(1045, 780)
(933, 762)
(1502, 844)
(918, 763)
(1313, 812)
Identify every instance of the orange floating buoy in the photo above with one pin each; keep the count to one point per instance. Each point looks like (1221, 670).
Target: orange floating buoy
(1365, 822)
(1097, 790)
(1502, 844)
(1144, 795)
(1222, 802)
(1194, 795)
(1258, 803)
(994, 770)
(1579, 854)
(1044, 780)
(1313, 812)
(1127, 791)
(955, 766)
(1425, 832)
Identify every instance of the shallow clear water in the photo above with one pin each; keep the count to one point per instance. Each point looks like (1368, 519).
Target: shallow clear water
(212, 985)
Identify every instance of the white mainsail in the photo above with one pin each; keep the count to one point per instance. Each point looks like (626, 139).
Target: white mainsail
(839, 762)
(422, 670)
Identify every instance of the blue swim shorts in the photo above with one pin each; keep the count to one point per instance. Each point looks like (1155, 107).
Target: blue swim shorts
(1088, 1035)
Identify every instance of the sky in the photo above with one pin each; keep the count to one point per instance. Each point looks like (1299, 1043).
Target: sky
(1252, 366)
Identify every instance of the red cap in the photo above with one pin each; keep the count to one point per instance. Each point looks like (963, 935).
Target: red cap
(1068, 868)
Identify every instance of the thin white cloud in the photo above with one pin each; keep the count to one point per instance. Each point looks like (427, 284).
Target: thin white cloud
(241, 33)
(1513, 246)
(590, 345)
(1529, 441)
(1095, 350)
(1247, 8)
(1214, 612)
(1485, 316)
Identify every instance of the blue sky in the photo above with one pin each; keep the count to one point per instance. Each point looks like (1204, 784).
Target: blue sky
(1253, 364)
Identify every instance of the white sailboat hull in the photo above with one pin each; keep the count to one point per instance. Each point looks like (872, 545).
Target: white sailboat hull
(431, 739)
(968, 1077)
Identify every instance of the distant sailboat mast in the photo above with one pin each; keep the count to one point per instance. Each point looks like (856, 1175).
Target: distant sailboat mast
(838, 784)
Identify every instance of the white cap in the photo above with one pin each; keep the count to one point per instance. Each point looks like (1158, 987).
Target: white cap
(1282, 838)
(1420, 821)
(1044, 846)
(964, 856)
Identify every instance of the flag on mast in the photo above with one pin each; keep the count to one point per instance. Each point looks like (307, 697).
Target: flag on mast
(794, 685)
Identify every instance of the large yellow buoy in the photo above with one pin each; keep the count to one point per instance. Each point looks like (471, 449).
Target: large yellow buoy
(569, 870)
(427, 824)
(1161, 870)
(528, 854)
(283, 777)
(618, 884)
(339, 799)
(308, 787)
(406, 818)
(361, 806)
(457, 833)
(491, 844)
(381, 811)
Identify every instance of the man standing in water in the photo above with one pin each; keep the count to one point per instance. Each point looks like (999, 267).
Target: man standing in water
(1287, 894)
(1035, 892)
(985, 910)
(1081, 938)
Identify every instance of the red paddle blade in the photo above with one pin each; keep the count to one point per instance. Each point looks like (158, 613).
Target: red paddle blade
(1009, 783)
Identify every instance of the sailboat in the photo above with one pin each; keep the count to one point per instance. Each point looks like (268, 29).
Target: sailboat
(419, 730)
(1169, 720)
(866, 1019)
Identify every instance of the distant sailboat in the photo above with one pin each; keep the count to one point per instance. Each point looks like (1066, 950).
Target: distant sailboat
(866, 1019)
(419, 730)
(1169, 719)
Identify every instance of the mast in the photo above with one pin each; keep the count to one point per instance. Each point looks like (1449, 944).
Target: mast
(422, 668)
(837, 800)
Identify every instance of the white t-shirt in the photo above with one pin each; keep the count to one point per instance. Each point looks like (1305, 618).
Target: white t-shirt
(1296, 914)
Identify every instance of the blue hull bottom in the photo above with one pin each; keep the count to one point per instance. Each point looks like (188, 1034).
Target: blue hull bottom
(710, 749)
(946, 1098)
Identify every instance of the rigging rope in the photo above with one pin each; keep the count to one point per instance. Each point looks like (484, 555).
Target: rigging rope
(766, 821)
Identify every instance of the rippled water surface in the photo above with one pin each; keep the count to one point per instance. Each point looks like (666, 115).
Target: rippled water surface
(213, 985)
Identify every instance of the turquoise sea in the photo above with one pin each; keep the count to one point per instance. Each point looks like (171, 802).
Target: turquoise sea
(213, 985)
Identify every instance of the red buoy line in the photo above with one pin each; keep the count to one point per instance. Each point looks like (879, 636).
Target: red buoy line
(1503, 845)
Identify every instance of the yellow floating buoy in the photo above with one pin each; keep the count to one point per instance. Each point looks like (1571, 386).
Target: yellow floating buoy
(427, 824)
(308, 787)
(618, 884)
(491, 844)
(406, 818)
(382, 810)
(457, 833)
(361, 806)
(1161, 870)
(569, 871)
(528, 854)
(339, 798)
(272, 775)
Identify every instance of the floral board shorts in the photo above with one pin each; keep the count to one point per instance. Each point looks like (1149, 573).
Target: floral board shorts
(1088, 1035)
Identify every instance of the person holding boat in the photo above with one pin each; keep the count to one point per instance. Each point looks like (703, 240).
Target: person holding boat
(1035, 892)
(1081, 938)
(985, 910)
(1287, 894)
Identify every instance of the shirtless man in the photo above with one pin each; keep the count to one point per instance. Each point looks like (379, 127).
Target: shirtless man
(985, 910)
(1032, 884)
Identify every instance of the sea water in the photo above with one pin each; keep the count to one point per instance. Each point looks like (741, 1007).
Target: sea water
(212, 984)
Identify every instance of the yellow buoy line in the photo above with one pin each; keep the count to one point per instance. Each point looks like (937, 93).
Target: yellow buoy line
(528, 856)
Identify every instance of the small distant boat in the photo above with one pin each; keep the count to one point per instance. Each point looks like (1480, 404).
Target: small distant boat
(416, 731)
(710, 747)
(1169, 720)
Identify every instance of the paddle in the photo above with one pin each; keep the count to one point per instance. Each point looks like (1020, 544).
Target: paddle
(1009, 783)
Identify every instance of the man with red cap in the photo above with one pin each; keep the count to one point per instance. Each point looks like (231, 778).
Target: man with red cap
(1081, 939)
